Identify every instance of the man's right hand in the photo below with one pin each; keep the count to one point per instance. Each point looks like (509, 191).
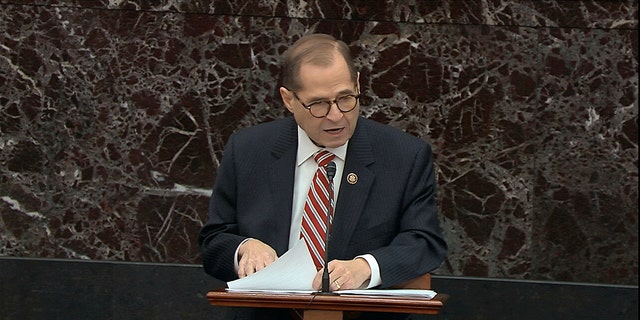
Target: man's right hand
(253, 256)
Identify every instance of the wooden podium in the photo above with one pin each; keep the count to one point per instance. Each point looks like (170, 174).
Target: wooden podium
(332, 307)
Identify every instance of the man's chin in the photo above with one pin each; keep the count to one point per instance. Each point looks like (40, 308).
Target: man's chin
(334, 143)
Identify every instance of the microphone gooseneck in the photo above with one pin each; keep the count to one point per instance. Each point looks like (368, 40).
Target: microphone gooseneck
(331, 172)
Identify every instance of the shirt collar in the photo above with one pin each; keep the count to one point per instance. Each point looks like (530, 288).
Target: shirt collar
(306, 148)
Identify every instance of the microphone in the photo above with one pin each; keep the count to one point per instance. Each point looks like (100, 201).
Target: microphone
(331, 172)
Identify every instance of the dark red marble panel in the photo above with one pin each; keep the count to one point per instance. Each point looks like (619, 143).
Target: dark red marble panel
(610, 14)
(114, 115)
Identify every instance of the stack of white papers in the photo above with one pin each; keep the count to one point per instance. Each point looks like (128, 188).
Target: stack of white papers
(294, 273)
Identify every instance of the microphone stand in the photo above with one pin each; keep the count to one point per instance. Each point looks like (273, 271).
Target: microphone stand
(331, 172)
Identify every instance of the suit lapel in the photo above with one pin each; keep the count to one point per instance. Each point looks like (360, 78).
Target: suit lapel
(353, 196)
(281, 180)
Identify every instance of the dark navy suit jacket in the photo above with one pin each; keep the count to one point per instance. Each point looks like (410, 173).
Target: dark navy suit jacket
(390, 212)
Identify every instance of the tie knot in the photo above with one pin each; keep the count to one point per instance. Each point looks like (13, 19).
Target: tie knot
(323, 157)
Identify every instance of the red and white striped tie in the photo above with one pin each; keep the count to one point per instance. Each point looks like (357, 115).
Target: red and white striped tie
(316, 209)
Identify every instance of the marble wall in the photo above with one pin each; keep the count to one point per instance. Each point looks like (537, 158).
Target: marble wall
(114, 114)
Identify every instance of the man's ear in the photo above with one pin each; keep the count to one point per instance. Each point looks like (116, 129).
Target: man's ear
(287, 98)
(358, 81)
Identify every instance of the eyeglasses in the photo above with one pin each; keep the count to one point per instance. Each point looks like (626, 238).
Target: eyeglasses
(320, 109)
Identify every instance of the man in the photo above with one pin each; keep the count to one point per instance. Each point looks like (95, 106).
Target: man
(385, 227)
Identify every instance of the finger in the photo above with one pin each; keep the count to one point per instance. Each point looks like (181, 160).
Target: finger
(246, 267)
(260, 267)
(317, 280)
(242, 271)
(336, 285)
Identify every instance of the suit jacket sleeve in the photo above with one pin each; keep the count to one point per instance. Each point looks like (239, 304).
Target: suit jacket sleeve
(251, 196)
(391, 211)
(219, 237)
(419, 246)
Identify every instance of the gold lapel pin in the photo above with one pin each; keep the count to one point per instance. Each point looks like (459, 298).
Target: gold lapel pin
(352, 178)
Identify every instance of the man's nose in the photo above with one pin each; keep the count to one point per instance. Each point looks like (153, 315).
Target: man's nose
(334, 112)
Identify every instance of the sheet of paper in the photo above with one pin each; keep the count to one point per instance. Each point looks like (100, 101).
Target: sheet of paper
(293, 271)
(273, 291)
(417, 293)
(407, 293)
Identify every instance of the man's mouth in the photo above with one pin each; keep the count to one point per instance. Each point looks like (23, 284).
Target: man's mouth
(334, 130)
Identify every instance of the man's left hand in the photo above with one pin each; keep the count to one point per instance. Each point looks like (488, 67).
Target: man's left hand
(345, 275)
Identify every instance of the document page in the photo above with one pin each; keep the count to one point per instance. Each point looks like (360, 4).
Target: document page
(293, 271)
(416, 293)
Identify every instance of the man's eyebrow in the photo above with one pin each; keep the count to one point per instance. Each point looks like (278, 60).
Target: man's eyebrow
(340, 94)
(346, 91)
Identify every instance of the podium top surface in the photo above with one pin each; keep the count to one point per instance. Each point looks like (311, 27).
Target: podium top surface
(311, 301)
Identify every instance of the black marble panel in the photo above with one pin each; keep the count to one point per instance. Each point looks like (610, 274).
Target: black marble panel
(34, 289)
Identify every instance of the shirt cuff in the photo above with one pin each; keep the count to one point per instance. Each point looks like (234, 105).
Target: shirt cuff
(375, 270)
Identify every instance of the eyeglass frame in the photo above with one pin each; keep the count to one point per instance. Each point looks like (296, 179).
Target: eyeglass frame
(330, 102)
